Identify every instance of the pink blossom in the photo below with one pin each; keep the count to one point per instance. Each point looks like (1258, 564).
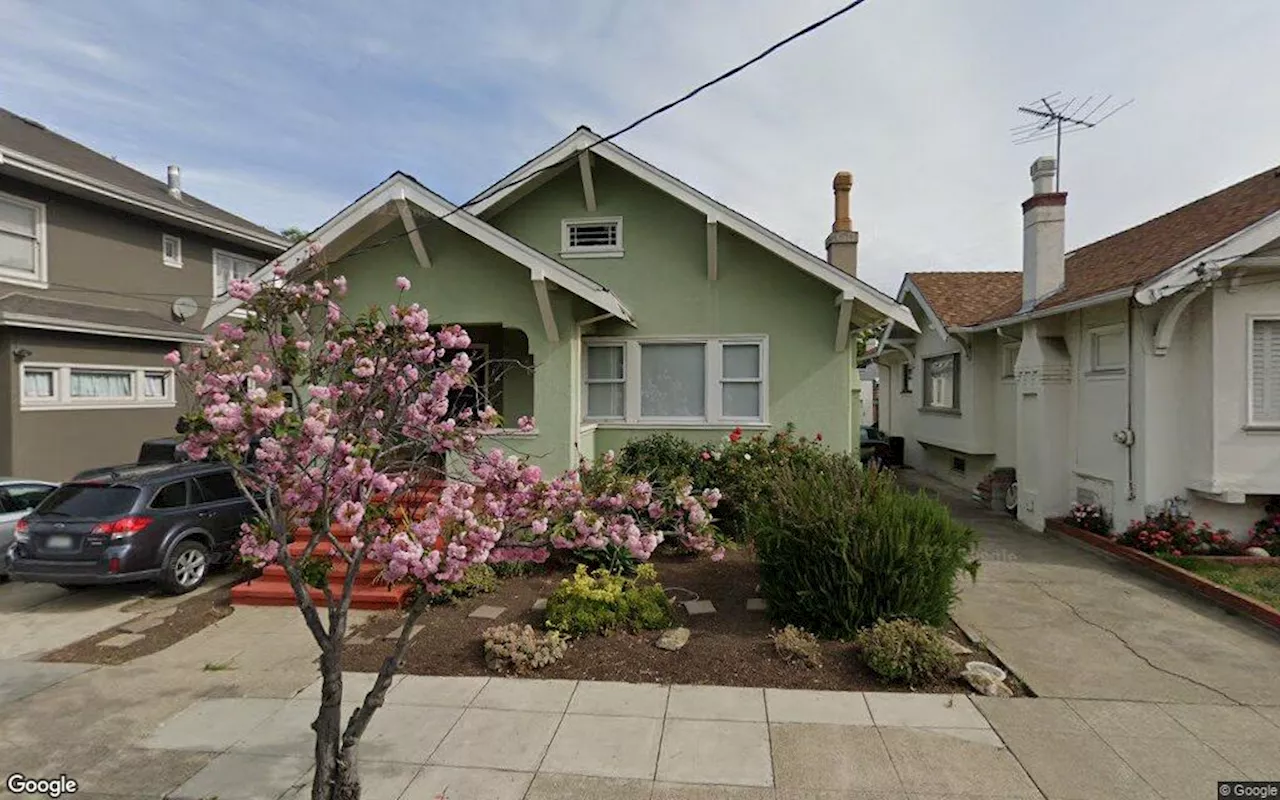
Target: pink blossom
(402, 283)
(525, 424)
(173, 357)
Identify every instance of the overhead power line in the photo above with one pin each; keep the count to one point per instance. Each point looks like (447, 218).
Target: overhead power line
(687, 96)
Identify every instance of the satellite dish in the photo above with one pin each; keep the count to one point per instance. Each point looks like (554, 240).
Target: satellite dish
(184, 308)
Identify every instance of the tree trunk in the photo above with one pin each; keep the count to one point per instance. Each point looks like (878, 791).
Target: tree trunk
(332, 779)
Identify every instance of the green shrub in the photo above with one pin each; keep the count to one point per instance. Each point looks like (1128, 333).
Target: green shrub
(516, 569)
(840, 547)
(739, 466)
(663, 458)
(904, 651)
(611, 558)
(600, 602)
(797, 645)
(512, 648)
(478, 579)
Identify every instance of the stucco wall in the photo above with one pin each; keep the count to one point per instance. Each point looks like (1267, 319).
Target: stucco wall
(470, 284)
(54, 444)
(663, 281)
(1246, 459)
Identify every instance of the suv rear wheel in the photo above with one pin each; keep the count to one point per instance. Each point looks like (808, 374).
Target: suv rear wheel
(188, 564)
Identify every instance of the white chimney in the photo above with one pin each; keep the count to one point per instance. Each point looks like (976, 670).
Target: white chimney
(175, 181)
(842, 242)
(1044, 221)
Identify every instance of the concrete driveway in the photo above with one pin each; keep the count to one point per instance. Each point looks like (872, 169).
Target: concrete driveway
(36, 618)
(1076, 623)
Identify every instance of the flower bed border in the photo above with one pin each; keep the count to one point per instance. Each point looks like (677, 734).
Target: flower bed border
(1219, 595)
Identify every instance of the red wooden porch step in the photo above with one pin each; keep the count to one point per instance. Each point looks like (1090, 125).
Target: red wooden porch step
(273, 589)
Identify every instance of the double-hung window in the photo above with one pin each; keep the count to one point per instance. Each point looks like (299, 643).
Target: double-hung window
(942, 383)
(171, 250)
(1264, 372)
(22, 237)
(721, 381)
(228, 267)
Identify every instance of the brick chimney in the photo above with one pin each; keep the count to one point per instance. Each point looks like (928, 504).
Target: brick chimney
(1044, 220)
(842, 242)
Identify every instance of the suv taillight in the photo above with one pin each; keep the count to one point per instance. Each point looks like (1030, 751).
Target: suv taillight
(20, 531)
(125, 526)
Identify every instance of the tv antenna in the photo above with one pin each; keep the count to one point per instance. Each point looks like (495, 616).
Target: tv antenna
(1055, 116)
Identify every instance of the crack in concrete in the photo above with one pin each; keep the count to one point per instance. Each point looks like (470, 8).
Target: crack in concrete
(1136, 654)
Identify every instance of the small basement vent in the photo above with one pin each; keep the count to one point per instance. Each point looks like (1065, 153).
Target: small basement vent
(957, 464)
(592, 236)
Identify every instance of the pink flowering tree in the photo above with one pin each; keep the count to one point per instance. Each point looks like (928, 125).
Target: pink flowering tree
(375, 424)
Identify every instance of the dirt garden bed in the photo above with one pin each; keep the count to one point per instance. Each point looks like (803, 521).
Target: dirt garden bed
(730, 647)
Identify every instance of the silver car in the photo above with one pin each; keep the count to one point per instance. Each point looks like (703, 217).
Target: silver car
(18, 497)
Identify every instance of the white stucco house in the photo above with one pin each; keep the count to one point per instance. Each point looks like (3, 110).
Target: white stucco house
(1138, 368)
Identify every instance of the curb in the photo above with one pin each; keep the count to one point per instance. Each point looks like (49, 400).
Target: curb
(1219, 595)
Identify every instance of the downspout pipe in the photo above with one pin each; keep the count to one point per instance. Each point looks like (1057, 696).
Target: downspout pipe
(1129, 385)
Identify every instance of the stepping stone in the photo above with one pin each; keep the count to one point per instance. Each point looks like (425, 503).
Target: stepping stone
(756, 604)
(121, 640)
(540, 604)
(487, 612)
(360, 639)
(142, 624)
(394, 633)
(955, 647)
(697, 607)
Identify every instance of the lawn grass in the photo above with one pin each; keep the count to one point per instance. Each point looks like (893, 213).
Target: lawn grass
(1261, 582)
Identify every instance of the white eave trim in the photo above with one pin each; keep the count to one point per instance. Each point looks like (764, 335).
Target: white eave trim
(569, 148)
(1211, 261)
(65, 177)
(401, 187)
(909, 287)
(95, 328)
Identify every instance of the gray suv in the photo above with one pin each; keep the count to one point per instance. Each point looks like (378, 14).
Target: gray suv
(160, 522)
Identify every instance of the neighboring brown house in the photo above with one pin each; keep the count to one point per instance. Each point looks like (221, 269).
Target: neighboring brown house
(103, 270)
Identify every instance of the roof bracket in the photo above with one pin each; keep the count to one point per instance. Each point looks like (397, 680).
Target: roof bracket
(843, 320)
(588, 182)
(713, 241)
(966, 345)
(1168, 322)
(415, 236)
(544, 307)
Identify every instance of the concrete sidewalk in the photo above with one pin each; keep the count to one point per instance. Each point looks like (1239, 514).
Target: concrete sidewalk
(514, 739)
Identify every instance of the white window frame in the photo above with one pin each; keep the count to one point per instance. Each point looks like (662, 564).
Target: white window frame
(1009, 360)
(712, 374)
(1091, 340)
(926, 385)
(165, 240)
(213, 274)
(63, 401)
(588, 381)
(1250, 420)
(593, 251)
(40, 279)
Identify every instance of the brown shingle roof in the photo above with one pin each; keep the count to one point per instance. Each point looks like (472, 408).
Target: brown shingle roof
(967, 298)
(1122, 260)
(33, 139)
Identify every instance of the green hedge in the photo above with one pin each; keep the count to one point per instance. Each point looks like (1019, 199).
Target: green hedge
(841, 547)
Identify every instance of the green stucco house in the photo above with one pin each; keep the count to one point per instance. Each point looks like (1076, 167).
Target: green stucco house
(610, 300)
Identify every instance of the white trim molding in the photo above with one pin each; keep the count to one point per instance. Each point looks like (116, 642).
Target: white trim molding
(174, 260)
(39, 279)
(216, 295)
(563, 154)
(42, 323)
(713, 376)
(61, 399)
(401, 186)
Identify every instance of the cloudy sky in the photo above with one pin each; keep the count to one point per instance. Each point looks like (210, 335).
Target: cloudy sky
(284, 111)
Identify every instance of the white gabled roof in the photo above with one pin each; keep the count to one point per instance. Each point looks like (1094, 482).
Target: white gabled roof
(561, 155)
(404, 187)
